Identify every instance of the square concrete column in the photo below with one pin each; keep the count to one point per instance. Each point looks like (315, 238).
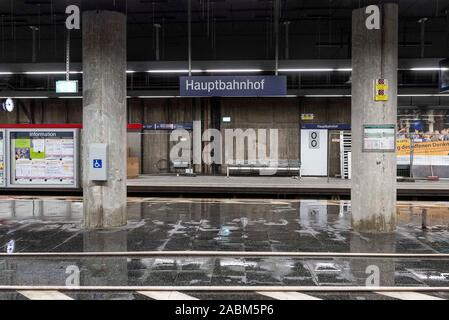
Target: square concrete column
(374, 56)
(104, 115)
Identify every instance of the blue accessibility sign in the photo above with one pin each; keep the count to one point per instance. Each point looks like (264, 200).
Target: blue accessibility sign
(98, 164)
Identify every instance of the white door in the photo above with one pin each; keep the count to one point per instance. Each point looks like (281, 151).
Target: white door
(314, 152)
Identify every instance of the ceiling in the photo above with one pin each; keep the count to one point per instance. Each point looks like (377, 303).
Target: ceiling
(222, 29)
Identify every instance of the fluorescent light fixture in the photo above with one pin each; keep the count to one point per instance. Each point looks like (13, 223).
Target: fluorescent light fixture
(233, 70)
(327, 96)
(130, 71)
(316, 70)
(70, 97)
(429, 69)
(424, 95)
(306, 70)
(156, 97)
(5, 73)
(42, 97)
(50, 72)
(174, 71)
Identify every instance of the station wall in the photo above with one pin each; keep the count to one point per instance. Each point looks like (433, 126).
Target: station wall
(153, 147)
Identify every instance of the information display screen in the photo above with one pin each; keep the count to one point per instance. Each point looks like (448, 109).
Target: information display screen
(2, 159)
(444, 76)
(43, 158)
(379, 138)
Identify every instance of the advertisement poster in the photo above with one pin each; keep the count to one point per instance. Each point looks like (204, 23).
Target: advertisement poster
(43, 158)
(434, 153)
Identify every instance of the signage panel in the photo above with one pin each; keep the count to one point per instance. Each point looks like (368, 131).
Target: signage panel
(381, 90)
(314, 126)
(98, 155)
(444, 76)
(65, 86)
(314, 152)
(168, 126)
(43, 158)
(379, 138)
(233, 86)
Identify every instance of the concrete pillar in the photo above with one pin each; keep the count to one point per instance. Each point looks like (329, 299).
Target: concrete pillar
(374, 56)
(104, 115)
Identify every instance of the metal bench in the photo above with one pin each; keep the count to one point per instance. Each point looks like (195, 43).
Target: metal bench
(267, 167)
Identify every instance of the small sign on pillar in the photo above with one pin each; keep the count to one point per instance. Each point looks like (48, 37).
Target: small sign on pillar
(381, 90)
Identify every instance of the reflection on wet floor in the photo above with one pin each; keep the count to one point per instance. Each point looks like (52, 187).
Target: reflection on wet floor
(124, 271)
(45, 225)
(54, 225)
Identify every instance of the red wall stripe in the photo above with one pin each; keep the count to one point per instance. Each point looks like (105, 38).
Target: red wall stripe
(131, 126)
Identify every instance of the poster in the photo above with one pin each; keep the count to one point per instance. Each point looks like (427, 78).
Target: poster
(43, 158)
(434, 153)
(379, 138)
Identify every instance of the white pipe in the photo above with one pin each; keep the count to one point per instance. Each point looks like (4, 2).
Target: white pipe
(228, 288)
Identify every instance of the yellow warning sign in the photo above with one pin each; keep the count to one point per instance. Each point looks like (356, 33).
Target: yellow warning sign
(381, 90)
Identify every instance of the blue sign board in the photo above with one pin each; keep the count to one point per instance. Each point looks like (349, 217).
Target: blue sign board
(98, 164)
(233, 86)
(168, 126)
(310, 126)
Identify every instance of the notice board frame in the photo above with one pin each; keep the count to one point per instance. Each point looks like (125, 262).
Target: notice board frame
(5, 158)
(76, 163)
(379, 126)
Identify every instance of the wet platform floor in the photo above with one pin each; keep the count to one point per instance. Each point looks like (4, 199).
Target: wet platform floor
(159, 224)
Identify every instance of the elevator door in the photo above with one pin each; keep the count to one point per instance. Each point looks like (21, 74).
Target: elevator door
(314, 152)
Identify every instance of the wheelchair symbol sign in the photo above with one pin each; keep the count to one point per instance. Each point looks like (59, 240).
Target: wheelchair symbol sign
(98, 164)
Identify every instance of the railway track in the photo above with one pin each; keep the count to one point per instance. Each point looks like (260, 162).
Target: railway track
(170, 292)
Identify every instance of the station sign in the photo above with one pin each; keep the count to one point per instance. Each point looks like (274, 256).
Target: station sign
(444, 76)
(65, 86)
(168, 126)
(311, 126)
(233, 86)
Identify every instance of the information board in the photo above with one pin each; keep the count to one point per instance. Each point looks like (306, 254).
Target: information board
(43, 158)
(379, 138)
(444, 76)
(2, 159)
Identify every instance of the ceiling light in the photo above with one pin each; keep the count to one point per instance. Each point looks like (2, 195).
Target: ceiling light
(174, 71)
(428, 69)
(424, 95)
(156, 97)
(306, 70)
(50, 72)
(41, 97)
(233, 70)
(327, 96)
